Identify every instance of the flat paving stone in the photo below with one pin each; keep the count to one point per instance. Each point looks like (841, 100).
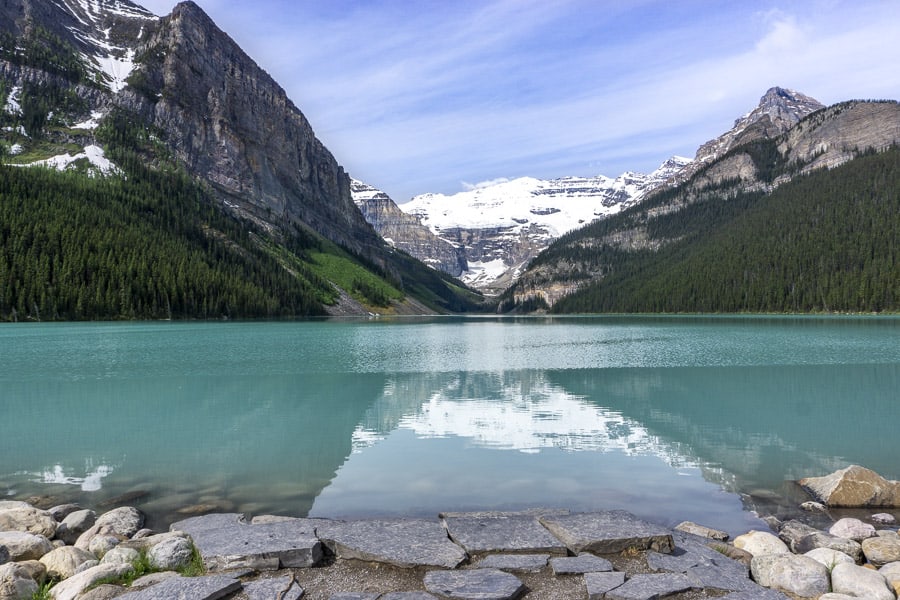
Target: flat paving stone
(408, 596)
(354, 596)
(598, 584)
(209, 587)
(521, 563)
(578, 565)
(474, 584)
(226, 541)
(651, 587)
(608, 532)
(406, 543)
(759, 594)
(283, 588)
(502, 532)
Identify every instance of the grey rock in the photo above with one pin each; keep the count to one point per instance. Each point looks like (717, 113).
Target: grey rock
(608, 532)
(405, 543)
(4, 555)
(891, 572)
(30, 520)
(120, 555)
(267, 589)
(12, 504)
(263, 519)
(71, 588)
(577, 565)
(87, 565)
(501, 532)
(882, 550)
(825, 540)
(105, 591)
(101, 544)
(142, 533)
(598, 584)
(354, 596)
(209, 587)
(16, 583)
(61, 511)
(759, 543)
(833, 596)
(225, 541)
(121, 523)
(798, 575)
(791, 532)
(883, 519)
(64, 562)
(860, 582)
(408, 596)
(761, 568)
(677, 562)
(852, 529)
(650, 587)
(709, 576)
(475, 584)
(522, 563)
(814, 507)
(153, 579)
(171, 554)
(701, 531)
(760, 593)
(24, 546)
(74, 524)
(828, 557)
(147, 542)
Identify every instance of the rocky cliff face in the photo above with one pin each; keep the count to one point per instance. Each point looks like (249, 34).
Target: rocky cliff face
(405, 231)
(221, 115)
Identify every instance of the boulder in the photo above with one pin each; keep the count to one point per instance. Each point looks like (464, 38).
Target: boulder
(74, 524)
(791, 573)
(24, 546)
(883, 519)
(825, 540)
(791, 532)
(854, 487)
(121, 522)
(11, 504)
(64, 562)
(15, 584)
(881, 551)
(828, 557)
(171, 554)
(61, 511)
(891, 572)
(121, 556)
(147, 542)
(31, 520)
(852, 529)
(101, 544)
(36, 570)
(759, 543)
(74, 586)
(702, 531)
(814, 507)
(860, 582)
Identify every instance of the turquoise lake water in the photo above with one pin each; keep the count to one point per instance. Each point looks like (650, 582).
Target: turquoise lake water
(672, 418)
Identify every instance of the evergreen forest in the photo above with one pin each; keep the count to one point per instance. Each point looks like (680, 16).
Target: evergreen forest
(825, 242)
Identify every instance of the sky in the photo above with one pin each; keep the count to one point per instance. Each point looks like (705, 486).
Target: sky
(416, 96)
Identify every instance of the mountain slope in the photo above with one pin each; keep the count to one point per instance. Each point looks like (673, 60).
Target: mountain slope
(498, 228)
(201, 105)
(654, 237)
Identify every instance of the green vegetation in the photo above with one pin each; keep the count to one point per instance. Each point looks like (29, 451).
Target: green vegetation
(43, 592)
(43, 50)
(828, 242)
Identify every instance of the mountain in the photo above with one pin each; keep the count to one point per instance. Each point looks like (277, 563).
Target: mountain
(85, 79)
(792, 214)
(406, 231)
(497, 229)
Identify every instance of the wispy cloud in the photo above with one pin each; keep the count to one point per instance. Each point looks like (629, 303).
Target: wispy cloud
(421, 96)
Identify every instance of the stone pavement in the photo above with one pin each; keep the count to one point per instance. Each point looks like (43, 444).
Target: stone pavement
(464, 556)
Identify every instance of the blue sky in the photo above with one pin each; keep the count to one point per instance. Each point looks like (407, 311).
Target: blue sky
(438, 95)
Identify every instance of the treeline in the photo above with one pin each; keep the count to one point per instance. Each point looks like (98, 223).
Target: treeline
(149, 247)
(829, 241)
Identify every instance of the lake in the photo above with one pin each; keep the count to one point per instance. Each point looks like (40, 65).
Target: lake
(707, 419)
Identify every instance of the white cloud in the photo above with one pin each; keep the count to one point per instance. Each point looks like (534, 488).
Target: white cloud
(483, 184)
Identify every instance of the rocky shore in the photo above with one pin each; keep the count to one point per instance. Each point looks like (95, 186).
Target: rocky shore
(68, 552)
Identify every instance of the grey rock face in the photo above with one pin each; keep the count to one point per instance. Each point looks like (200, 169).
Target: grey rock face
(209, 587)
(15, 583)
(647, 587)
(476, 584)
(501, 532)
(226, 542)
(24, 546)
(284, 588)
(860, 582)
(406, 543)
(608, 532)
(583, 563)
(598, 584)
(854, 486)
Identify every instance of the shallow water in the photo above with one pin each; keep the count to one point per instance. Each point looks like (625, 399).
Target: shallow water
(673, 418)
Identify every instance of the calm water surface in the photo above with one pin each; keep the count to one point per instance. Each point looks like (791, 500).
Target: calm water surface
(672, 418)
